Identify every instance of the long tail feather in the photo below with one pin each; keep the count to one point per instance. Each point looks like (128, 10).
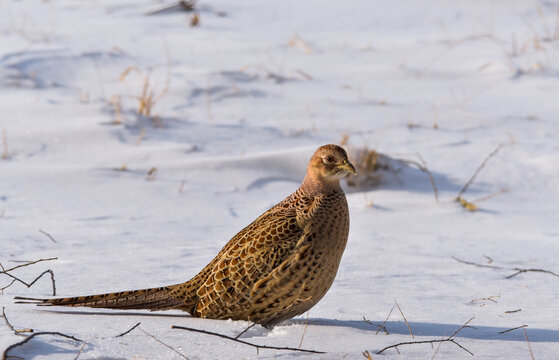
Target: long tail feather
(151, 299)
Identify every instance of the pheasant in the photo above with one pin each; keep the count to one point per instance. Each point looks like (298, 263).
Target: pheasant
(276, 268)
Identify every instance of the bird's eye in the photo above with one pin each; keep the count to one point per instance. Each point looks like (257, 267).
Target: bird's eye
(329, 159)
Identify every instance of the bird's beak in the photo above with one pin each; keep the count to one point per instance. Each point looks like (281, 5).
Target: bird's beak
(347, 166)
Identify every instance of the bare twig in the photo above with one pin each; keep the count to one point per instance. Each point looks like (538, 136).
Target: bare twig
(245, 342)
(448, 339)
(465, 325)
(5, 354)
(385, 320)
(34, 281)
(48, 235)
(478, 170)
(380, 327)
(478, 265)
(129, 330)
(245, 330)
(516, 328)
(518, 270)
(183, 5)
(528, 342)
(17, 332)
(27, 264)
(405, 320)
(512, 311)
(489, 298)
(162, 343)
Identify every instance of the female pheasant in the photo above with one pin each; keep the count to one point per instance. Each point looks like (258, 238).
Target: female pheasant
(277, 267)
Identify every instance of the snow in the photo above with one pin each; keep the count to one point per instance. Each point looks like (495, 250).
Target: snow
(243, 100)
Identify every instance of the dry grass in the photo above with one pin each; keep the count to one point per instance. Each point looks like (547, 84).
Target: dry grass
(468, 205)
(369, 163)
(297, 42)
(149, 95)
(116, 103)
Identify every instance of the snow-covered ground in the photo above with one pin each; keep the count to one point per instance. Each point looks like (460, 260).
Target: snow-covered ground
(241, 102)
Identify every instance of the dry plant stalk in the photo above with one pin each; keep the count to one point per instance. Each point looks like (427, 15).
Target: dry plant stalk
(405, 320)
(141, 136)
(489, 298)
(447, 339)
(470, 205)
(149, 96)
(116, 102)
(528, 342)
(152, 174)
(304, 331)
(297, 41)
(195, 20)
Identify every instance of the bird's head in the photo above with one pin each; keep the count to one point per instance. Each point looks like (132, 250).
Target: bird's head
(329, 164)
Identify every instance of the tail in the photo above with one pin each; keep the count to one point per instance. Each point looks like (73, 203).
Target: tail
(150, 299)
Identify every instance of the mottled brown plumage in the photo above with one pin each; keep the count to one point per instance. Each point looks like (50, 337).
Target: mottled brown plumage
(277, 267)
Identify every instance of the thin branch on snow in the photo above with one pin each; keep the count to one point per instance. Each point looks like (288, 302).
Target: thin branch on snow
(27, 264)
(5, 355)
(129, 330)
(34, 281)
(258, 347)
(516, 328)
(447, 339)
(17, 332)
(7, 273)
(518, 270)
(48, 235)
(489, 298)
(245, 330)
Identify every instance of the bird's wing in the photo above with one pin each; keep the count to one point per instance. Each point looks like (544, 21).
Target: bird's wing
(251, 255)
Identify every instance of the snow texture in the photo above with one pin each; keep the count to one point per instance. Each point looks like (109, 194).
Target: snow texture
(242, 100)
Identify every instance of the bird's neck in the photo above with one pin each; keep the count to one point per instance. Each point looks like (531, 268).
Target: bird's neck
(315, 184)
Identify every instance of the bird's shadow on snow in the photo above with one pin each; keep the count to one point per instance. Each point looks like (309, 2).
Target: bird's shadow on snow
(429, 329)
(440, 330)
